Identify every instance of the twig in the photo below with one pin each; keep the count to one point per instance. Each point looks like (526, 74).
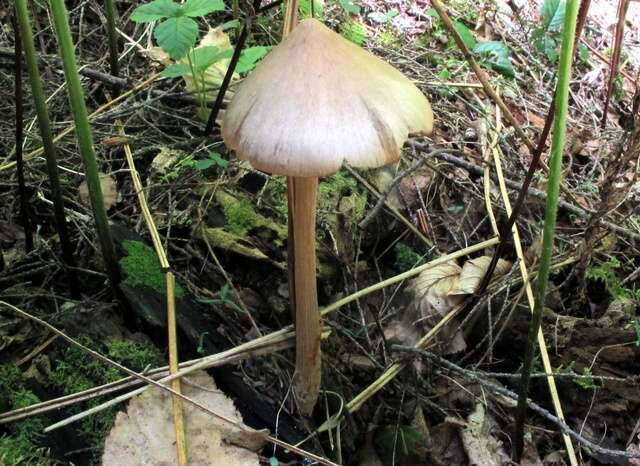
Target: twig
(235, 355)
(396, 213)
(160, 386)
(495, 388)
(178, 417)
(244, 33)
(623, 5)
(391, 186)
(571, 208)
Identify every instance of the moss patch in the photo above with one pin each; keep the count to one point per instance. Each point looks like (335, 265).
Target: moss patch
(142, 267)
(76, 371)
(241, 217)
(21, 447)
(334, 188)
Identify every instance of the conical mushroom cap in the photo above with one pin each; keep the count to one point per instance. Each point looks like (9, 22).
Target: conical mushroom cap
(318, 100)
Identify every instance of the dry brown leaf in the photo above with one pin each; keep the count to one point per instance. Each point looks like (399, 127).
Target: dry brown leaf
(478, 440)
(474, 270)
(145, 433)
(109, 191)
(448, 271)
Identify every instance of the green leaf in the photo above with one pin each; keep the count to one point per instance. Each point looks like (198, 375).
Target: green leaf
(196, 8)
(583, 53)
(349, 6)
(431, 12)
(176, 70)
(214, 159)
(304, 7)
(250, 57)
(154, 11)
(496, 55)
(552, 12)
(465, 34)
(203, 57)
(176, 36)
(383, 18)
(491, 47)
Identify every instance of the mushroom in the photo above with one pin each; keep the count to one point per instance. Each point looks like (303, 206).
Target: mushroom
(315, 102)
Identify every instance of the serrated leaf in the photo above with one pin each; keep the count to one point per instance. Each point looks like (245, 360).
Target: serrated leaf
(196, 8)
(176, 70)
(250, 57)
(553, 12)
(154, 11)
(176, 36)
(465, 34)
(349, 6)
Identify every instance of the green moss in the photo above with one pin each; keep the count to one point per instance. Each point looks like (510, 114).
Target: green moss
(142, 267)
(241, 217)
(334, 188)
(405, 257)
(21, 446)
(76, 370)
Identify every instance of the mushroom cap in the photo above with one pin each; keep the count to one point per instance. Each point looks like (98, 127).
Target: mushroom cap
(318, 100)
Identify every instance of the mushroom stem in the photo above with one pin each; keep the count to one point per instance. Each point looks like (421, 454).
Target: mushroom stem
(308, 325)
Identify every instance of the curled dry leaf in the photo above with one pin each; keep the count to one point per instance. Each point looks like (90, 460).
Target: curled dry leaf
(479, 442)
(145, 433)
(109, 191)
(432, 289)
(474, 270)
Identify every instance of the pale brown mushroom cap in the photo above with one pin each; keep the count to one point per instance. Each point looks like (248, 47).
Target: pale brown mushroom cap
(318, 100)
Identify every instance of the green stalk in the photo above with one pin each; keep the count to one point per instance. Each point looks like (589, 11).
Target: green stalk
(110, 10)
(553, 190)
(31, 58)
(85, 138)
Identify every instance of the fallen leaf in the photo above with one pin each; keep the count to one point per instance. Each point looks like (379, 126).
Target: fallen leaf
(109, 191)
(145, 433)
(473, 272)
(482, 448)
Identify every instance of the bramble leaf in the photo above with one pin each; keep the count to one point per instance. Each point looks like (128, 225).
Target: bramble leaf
(552, 12)
(176, 36)
(176, 70)
(195, 8)
(349, 6)
(249, 58)
(465, 34)
(158, 9)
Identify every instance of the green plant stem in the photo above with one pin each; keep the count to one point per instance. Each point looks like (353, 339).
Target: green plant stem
(22, 190)
(30, 54)
(85, 138)
(553, 191)
(110, 11)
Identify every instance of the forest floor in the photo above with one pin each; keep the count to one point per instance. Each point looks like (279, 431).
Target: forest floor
(224, 227)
